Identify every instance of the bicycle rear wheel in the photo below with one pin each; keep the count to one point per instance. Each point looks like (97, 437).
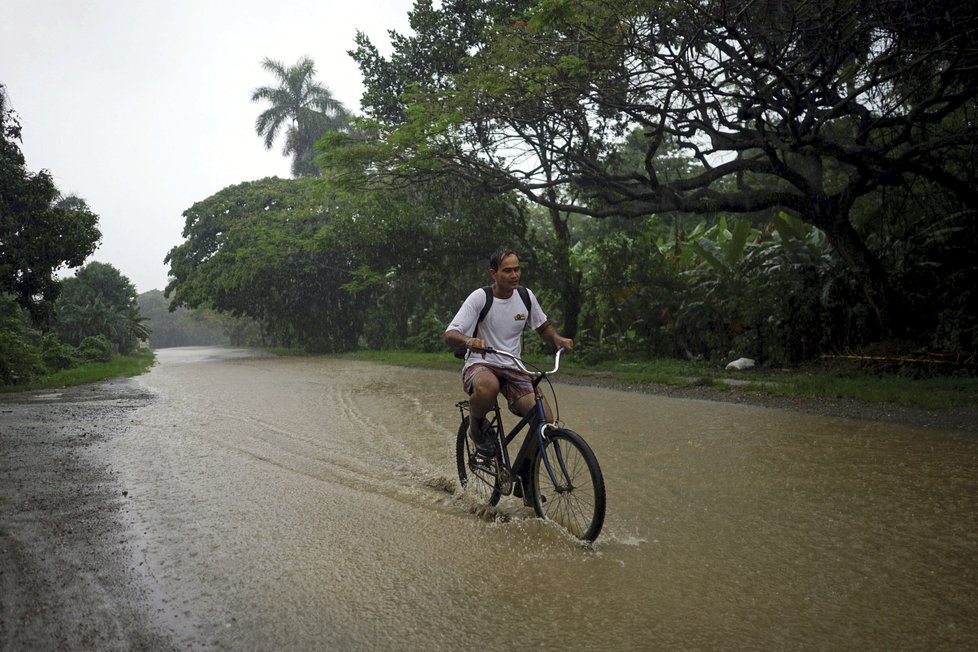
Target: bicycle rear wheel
(576, 501)
(472, 477)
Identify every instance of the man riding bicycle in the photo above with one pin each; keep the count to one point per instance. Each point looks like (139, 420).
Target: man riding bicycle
(484, 375)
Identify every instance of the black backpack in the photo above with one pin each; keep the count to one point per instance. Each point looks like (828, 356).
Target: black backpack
(524, 294)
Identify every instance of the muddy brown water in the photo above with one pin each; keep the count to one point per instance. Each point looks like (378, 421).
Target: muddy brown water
(297, 503)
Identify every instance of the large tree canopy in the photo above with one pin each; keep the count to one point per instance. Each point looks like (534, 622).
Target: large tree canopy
(429, 62)
(263, 250)
(796, 105)
(440, 47)
(40, 231)
(327, 271)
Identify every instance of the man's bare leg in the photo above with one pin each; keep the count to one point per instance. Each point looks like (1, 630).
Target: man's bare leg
(485, 388)
(526, 404)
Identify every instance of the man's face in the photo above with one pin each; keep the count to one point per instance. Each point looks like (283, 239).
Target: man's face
(507, 277)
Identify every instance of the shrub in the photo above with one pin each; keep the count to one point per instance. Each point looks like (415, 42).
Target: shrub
(95, 348)
(430, 337)
(20, 360)
(57, 355)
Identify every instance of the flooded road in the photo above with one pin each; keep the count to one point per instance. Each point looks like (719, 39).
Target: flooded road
(307, 504)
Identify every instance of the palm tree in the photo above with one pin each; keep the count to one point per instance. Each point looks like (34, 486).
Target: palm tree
(303, 106)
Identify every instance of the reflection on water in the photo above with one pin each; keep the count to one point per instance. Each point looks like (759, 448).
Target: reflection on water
(310, 504)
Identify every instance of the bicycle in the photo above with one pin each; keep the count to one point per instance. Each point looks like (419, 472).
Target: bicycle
(555, 471)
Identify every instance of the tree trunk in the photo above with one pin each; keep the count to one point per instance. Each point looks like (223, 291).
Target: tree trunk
(866, 268)
(568, 281)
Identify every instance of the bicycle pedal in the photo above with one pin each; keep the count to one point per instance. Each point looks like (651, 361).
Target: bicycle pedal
(483, 460)
(484, 466)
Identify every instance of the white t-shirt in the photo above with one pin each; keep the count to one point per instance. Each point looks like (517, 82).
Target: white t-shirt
(502, 327)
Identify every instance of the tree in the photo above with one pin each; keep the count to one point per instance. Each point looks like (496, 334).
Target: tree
(99, 281)
(100, 300)
(300, 105)
(428, 62)
(20, 358)
(440, 47)
(419, 250)
(265, 250)
(792, 105)
(183, 327)
(40, 231)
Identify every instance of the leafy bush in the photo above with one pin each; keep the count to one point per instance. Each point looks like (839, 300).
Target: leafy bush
(430, 336)
(58, 355)
(96, 348)
(20, 359)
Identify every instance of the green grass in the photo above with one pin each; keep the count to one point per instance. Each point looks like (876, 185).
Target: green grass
(119, 366)
(408, 359)
(826, 382)
(935, 393)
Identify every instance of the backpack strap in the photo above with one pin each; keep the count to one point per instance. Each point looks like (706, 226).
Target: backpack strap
(485, 309)
(525, 295)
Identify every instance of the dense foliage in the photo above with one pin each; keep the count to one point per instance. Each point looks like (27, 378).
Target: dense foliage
(41, 232)
(693, 179)
(47, 325)
(263, 250)
(661, 110)
(100, 301)
(333, 272)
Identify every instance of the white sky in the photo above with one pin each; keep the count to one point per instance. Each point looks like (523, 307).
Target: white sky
(143, 107)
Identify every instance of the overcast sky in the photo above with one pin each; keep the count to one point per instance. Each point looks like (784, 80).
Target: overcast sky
(143, 107)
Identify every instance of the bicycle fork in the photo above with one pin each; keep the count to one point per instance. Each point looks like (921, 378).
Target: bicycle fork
(545, 443)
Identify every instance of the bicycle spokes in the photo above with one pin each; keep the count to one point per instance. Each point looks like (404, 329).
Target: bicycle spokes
(568, 485)
(555, 469)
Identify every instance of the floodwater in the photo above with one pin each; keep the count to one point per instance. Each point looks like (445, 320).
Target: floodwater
(307, 504)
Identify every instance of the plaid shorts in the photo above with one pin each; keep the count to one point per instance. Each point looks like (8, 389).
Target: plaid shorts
(513, 383)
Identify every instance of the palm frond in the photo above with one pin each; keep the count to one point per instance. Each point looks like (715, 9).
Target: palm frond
(304, 107)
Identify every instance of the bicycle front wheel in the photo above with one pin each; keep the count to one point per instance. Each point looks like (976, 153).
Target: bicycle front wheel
(473, 477)
(568, 487)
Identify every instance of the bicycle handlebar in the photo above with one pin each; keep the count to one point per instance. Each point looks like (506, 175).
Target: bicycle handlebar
(519, 362)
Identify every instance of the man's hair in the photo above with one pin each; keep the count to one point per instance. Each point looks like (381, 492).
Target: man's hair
(498, 255)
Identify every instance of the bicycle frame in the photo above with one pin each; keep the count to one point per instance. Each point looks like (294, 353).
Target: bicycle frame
(538, 414)
(555, 471)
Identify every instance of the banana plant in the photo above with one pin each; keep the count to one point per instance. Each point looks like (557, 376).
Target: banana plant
(721, 246)
(724, 248)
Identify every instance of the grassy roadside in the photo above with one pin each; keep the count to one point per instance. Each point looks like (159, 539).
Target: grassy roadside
(119, 366)
(824, 381)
